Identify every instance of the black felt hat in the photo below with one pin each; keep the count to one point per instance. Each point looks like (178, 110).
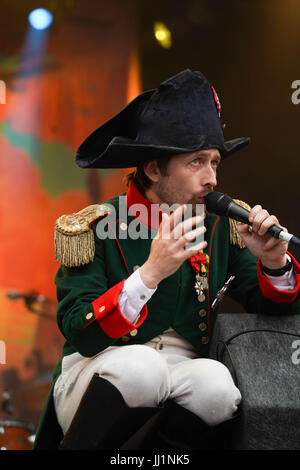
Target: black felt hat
(181, 116)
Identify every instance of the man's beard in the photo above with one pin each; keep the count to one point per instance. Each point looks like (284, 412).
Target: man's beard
(170, 197)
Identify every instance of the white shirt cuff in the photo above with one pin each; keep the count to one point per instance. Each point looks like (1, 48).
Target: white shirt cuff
(134, 296)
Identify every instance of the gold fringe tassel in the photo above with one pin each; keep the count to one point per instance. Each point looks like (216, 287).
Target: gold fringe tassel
(74, 239)
(74, 250)
(235, 238)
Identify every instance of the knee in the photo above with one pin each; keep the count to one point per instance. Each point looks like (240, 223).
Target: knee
(222, 403)
(222, 397)
(140, 374)
(206, 388)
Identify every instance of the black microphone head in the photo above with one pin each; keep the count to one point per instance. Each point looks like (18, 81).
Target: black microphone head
(217, 203)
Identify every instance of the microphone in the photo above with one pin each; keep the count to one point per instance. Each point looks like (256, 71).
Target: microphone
(222, 204)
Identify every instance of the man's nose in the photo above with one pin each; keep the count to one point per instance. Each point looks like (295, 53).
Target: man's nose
(209, 176)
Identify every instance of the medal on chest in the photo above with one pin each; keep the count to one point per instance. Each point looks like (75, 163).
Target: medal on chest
(199, 263)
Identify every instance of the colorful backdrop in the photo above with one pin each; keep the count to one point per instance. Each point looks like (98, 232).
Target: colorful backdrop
(59, 88)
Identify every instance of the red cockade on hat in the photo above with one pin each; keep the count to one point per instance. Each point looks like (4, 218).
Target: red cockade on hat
(217, 101)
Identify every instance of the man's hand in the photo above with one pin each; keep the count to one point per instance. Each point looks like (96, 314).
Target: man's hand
(167, 251)
(270, 250)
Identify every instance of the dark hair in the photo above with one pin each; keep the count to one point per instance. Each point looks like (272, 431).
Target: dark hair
(139, 177)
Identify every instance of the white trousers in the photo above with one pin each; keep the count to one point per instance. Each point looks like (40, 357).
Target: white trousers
(148, 375)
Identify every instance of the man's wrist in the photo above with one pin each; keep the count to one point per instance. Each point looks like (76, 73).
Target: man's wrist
(148, 277)
(275, 264)
(278, 271)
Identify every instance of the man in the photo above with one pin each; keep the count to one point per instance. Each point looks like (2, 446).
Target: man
(137, 312)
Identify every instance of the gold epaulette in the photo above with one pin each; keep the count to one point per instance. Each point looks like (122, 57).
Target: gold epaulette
(235, 238)
(73, 237)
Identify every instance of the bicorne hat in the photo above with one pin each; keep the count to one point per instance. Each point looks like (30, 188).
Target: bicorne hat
(183, 115)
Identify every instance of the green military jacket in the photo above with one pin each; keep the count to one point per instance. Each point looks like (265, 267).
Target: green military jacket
(88, 314)
(174, 304)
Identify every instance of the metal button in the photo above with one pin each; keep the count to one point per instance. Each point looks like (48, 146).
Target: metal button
(123, 226)
(89, 316)
(202, 312)
(142, 297)
(202, 326)
(133, 332)
(102, 308)
(136, 267)
(205, 339)
(125, 338)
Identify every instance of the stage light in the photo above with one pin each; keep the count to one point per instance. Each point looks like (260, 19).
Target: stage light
(40, 18)
(162, 34)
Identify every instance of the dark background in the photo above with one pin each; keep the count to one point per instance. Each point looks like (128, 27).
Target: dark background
(249, 50)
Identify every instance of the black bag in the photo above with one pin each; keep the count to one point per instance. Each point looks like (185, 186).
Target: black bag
(262, 353)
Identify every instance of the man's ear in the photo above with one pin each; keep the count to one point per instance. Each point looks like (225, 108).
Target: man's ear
(152, 171)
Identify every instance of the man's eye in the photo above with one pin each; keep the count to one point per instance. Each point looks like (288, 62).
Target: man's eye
(196, 160)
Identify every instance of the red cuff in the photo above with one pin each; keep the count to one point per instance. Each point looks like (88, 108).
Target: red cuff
(107, 312)
(276, 295)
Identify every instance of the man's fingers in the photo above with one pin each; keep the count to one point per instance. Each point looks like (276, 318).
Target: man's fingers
(193, 250)
(189, 236)
(161, 225)
(186, 225)
(259, 218)
(169, 221)
(173, 225)
(272, 243)
(267, 223)
(254, 211)
(242, 228)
